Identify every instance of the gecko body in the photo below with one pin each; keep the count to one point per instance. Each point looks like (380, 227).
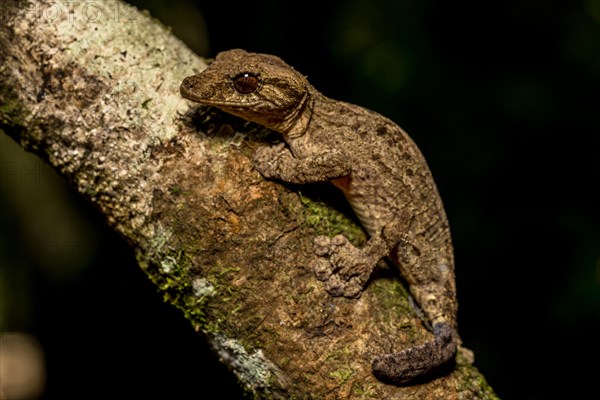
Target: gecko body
(382, 174)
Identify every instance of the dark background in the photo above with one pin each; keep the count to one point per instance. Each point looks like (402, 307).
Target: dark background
(503, 100)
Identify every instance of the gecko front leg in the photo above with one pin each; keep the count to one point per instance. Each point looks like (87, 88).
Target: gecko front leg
(277, 162)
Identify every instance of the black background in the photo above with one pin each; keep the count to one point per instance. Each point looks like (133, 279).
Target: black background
(503, 100)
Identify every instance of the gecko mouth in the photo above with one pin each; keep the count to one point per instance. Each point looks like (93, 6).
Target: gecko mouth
(190, 90)
(229, 104)
(189, 95)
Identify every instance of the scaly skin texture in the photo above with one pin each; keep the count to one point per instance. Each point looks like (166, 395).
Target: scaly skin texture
(379, 169)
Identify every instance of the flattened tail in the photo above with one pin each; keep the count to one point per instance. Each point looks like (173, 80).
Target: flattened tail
(420, 362)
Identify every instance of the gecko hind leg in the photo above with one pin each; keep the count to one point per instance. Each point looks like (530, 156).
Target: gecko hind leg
(346, 269)
(343, 268)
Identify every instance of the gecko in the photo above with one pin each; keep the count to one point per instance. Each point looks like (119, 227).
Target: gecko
(380, 171)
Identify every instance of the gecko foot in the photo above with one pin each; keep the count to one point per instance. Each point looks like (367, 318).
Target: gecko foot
(343, 268)
(266, 159)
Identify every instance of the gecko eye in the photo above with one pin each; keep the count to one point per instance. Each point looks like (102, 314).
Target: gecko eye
(246, 83)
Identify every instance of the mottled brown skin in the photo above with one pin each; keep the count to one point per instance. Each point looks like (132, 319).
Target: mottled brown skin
(379, 169)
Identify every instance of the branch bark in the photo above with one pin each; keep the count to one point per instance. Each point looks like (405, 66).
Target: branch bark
(93, 88)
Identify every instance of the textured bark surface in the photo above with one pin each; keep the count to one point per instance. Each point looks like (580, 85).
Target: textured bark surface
(93, 88)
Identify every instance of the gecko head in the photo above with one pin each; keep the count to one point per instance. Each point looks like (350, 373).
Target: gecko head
(257, 87)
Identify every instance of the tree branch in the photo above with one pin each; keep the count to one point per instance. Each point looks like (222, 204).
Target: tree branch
(93, 88)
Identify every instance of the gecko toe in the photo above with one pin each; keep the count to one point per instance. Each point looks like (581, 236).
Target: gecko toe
(322, 246)
(353, 289)
(322, 269)
(334, 286)
(339, 240)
